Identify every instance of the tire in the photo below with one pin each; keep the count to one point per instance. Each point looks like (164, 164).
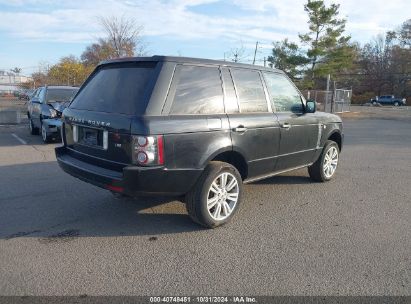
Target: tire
(119, 196)
(328, 159)
(32, 128)
(396, 104)
(374, 103)
(216, 196)
(44, 135)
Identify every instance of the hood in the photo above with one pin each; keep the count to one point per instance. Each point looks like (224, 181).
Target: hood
(59, 105)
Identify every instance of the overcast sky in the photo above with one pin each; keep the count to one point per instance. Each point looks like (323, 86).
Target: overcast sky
(34, 31)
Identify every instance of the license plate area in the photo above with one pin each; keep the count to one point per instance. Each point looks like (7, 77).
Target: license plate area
(91, 137)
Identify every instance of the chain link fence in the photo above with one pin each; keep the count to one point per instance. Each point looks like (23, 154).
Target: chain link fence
(337, 101)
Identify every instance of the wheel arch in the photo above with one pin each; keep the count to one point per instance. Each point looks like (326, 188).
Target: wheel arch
(336, 137)
(235, 159)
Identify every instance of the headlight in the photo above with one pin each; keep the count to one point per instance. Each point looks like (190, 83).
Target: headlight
(53, 113)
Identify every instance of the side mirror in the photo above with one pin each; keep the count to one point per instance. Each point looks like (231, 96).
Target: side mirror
(35, 100)
(311, 106)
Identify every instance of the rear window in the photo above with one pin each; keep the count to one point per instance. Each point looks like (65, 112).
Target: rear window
(60, 94)
(117, 88)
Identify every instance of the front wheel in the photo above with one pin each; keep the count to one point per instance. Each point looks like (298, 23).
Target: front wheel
(216, 196)
(396, 103)
(32, 128)
(44, 135)
(324, 168)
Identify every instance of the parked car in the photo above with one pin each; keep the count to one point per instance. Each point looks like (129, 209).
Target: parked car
(389, 100)
(193, 128)
(45, 108)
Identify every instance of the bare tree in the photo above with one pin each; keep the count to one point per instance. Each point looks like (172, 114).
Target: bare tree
(123, 35)
(237, 54)
(16, 70)
(123, 38)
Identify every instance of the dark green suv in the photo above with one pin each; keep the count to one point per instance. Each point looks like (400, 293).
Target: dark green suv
(193, 128)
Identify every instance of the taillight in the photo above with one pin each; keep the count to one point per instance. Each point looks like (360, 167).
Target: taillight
(148, 150)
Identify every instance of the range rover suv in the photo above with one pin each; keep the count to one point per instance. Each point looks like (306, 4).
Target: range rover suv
(193, 128)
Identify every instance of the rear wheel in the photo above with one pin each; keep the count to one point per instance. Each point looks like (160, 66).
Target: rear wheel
(216, 196)
(374, 103)
(324, 168)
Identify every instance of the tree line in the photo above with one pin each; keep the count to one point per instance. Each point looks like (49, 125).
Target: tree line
(122, 39)
(379, 67)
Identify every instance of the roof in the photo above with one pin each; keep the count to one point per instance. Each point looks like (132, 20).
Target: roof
(60, 87)
(188, 60)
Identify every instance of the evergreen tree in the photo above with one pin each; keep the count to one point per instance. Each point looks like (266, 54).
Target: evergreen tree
(328, 49)
(288, 57)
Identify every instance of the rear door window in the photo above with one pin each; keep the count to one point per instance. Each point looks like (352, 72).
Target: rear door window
(118, 88)
(250, 91)
(198, 90)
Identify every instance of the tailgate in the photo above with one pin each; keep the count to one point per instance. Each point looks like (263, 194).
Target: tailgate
(104, 136)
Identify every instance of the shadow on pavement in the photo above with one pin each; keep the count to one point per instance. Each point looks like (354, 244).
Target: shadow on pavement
(40, 200)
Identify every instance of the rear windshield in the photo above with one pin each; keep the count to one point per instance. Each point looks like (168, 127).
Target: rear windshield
(117, 88)
(54, 95)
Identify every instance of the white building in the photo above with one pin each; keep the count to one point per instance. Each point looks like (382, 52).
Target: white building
(11, 83)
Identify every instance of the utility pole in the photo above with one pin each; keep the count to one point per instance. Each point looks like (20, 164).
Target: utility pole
(333, 98)
(328, 82)
(327, 97)
(265, 62)
(255, 51)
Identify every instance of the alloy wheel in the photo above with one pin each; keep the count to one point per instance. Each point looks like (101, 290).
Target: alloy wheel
(222, 196)
(43, 133)
(330, 162)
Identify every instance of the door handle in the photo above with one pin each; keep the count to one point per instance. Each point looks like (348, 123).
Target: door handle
(240, 129)
(285, 125)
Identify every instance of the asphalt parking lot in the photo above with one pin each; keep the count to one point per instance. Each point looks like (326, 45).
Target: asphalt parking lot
(351, 236)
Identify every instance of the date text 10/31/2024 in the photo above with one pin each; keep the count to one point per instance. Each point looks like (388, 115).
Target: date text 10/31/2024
(203, 299)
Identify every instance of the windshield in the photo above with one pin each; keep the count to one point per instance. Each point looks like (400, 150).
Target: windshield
(60, 95)
(117, 88)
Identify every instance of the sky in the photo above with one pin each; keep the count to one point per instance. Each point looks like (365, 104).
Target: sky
(40, 32)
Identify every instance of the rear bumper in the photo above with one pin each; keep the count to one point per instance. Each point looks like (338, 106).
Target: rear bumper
(133, 180)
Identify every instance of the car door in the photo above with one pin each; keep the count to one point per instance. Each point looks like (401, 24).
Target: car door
(299, 130)
(35, 106)
(196, 124)
(254, 128)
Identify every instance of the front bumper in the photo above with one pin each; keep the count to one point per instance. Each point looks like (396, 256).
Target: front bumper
(53, 125)
(133, 180)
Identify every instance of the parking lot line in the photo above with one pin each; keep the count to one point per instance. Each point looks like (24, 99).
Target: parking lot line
(19, 139)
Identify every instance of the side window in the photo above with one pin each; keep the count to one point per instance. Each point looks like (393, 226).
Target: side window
(250, 91)
(198, 91)
(283, 94)
(41, 95)
(230, 100)
(36, 93)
